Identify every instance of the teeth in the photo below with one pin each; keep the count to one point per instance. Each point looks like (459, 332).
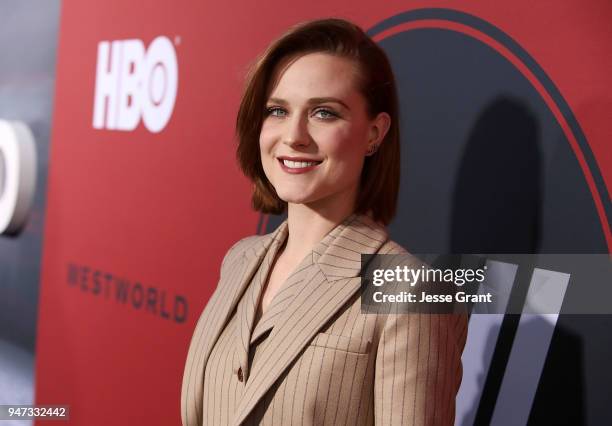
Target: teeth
(298, 164)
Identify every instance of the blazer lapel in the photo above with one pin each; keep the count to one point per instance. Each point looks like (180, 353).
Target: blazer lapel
(245, 267)
(247, 304)
(331, 280)
(218, 312)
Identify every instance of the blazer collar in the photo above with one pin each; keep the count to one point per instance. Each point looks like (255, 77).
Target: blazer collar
(338, 254)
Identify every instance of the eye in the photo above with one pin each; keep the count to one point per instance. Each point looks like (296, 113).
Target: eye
(273, 111)
(327, 114)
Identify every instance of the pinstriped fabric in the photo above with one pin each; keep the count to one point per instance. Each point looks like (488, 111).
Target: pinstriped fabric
(211, 321)
(281, 300)
(314, 358)
(247, 309)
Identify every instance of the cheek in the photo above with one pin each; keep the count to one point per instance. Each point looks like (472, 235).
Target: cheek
(345, 158)
(344, 138)
(266, 145)
(344, 146)
(264, 140)
(265, 156)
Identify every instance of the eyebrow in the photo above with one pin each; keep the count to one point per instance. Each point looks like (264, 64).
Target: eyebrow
(312, 101)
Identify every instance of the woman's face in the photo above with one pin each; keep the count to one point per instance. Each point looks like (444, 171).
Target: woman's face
(315, 133)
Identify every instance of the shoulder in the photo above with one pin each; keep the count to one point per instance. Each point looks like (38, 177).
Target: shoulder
(400, 255)
(236, 251)
(391, 247)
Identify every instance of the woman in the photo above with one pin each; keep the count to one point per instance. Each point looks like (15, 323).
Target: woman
(283, 339)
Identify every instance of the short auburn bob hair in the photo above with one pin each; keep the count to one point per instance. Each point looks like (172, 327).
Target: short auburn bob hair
(379, 182)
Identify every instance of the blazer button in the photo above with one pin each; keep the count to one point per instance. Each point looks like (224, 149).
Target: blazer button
(240, 376)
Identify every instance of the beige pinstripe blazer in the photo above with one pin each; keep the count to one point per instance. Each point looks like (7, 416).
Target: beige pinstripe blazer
(346, 367)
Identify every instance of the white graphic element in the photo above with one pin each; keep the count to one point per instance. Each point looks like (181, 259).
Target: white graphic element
(134, 83)
(483, 332)
(17, 175)
(530, 348)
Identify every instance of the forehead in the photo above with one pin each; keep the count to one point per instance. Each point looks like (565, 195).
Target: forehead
(314, 75)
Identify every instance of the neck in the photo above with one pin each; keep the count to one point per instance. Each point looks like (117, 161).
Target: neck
(308, 225)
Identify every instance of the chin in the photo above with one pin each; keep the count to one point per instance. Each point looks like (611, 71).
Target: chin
(295, 199)
(295, 196)
(303, 198)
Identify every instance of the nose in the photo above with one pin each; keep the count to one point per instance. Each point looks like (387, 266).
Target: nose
(296, 132)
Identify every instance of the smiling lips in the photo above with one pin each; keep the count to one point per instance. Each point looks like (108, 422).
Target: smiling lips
(297, 165)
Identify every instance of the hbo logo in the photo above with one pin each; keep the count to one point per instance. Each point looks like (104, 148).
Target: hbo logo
(134, 83)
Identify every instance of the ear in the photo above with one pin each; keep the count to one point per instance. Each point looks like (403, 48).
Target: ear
(378, 129)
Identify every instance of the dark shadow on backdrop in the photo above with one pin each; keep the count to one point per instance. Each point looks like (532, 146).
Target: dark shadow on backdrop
(496, 204)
